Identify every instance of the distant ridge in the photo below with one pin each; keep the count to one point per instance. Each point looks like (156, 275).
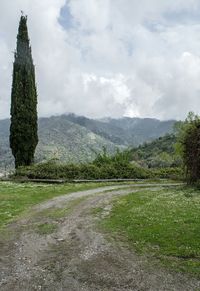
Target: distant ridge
(125, 131)
(71, 138)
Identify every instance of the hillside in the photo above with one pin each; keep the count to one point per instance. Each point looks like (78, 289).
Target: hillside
(125, 131)
(158, 153)
(73, 138)
(60, 139)
(67, 141)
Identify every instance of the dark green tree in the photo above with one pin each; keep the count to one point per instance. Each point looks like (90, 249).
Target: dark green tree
(188, 146)
(23, 128)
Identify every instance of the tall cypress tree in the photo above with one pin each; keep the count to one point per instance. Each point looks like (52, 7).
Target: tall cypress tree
(23, 129)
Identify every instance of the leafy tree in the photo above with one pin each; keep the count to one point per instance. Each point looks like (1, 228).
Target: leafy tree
(188, 146)
(159, 153)
(23, 129)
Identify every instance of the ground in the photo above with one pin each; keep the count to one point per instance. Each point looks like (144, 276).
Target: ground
(59, 246)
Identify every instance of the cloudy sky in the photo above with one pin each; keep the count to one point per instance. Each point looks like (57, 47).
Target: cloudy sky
(107, 57)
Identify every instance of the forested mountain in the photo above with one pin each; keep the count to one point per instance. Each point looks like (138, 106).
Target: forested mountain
(73, 138)
(125, 131)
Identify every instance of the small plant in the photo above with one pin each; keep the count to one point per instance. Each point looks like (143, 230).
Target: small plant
(46, 228)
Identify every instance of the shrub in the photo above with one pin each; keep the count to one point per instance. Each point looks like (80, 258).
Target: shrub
(51, 170)
(169, 173)
(103, 167)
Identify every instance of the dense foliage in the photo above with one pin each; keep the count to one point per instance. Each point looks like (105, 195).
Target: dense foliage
(160, 153)
(89, 171)
(23, 129)
(188, 146)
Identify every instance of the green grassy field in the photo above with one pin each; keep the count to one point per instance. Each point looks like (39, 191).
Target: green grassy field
(163, 224)
(15, 198)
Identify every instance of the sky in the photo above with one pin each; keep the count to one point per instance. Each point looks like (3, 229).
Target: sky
(101, 58)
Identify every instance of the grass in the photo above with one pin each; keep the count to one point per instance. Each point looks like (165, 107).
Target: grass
(46, 228)
(56, 213)
(96, 210)
(162, 224)
(15, 198)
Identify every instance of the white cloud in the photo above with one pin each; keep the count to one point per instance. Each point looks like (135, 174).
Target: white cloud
(114, 58)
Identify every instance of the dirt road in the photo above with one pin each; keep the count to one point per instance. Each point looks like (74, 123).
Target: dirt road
(72, 254)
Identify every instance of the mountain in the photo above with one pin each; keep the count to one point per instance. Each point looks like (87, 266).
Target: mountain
(74, 138)
(125, 131)
(67, 141)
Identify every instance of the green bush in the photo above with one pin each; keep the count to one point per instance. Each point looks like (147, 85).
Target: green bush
(83, 171)
(103, 167)
(169, 173)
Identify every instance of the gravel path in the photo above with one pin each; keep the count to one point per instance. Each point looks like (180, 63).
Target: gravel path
(76, 256)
